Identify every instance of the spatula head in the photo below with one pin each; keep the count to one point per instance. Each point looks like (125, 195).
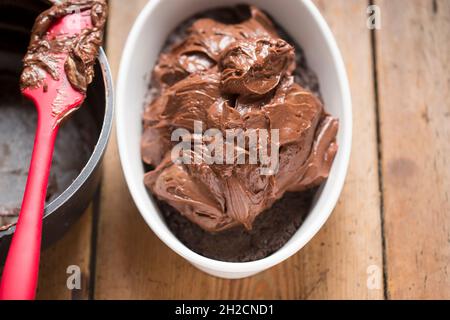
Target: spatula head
(58, 98)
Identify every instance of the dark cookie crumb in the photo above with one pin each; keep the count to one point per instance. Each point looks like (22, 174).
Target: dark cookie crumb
(271, 230)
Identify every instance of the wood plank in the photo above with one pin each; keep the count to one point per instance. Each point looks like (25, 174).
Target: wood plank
(73, 249)
(414, 89)
(335, 264)
(133, 263)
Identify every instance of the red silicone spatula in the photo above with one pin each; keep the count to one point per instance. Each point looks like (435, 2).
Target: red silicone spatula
(20, 272)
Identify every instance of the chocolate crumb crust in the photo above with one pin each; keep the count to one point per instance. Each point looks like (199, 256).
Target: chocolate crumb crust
(271, 230)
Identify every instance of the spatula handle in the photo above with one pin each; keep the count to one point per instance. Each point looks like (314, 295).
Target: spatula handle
(20, 273)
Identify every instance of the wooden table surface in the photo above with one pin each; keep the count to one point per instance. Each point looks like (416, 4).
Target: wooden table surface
(389, 236)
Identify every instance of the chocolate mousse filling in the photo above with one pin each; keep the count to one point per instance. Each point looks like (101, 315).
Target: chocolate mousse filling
(82, 48)
(233, 68)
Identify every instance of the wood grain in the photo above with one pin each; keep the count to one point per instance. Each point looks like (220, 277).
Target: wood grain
(73, 249)
(336, 263)
(414, 88)
(133, 263)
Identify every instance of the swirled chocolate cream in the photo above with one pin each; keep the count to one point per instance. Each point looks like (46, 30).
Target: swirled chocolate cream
(236, 138)
(82, 49)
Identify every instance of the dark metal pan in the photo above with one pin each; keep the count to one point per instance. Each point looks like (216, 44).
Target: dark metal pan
(16, 20)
